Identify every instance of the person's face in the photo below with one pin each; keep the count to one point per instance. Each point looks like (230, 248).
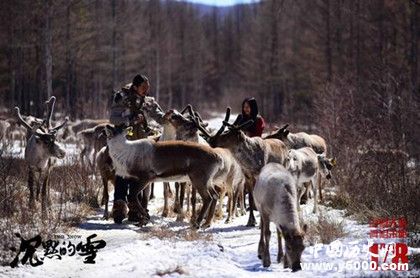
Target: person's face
(143, 88)
(247, 109)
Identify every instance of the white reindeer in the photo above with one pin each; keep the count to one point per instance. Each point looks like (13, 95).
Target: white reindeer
(275, 199)
(308, 167)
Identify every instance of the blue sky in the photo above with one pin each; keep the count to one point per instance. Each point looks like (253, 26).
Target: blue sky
(222, 2)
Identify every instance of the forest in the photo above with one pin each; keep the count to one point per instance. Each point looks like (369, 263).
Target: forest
(348, 70)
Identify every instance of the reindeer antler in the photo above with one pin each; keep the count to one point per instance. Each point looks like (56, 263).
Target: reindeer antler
(198, 124)
(22, 121)
(224, 123)
(50, 109)
(249, 122)
(284, 127)
(57, 128)
(187, 108)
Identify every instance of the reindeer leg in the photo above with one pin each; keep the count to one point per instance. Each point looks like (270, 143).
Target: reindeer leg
(261, 244)
(181, 215)
(241, 200)
(188, 189)
(207, 199)
(214, 195)
(280, 251)
(232, 199)
(105, 197)
(193, 203)
(305, 194)
(38, 185)
(251, 219)
(31, 188)
(320, 183)
(219, 211)
(152, 191)
(44, 196)
(82, 156)
(267, 234)
(165, 199)
(315, 186)
(176, 200)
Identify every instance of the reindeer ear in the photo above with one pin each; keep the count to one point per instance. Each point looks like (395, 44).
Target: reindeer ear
(108, 131)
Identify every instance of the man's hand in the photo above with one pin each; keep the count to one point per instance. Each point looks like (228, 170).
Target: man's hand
(138, 119)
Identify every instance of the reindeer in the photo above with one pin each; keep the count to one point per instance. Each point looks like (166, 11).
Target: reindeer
(251, 153)
(307, 167)
(275, 198)
(107, 172)
(147, 161)
(152, 111)
(4, 126)
(299, 140)
(78, 126)
(187, 131)
(41, 146)
(93, 141)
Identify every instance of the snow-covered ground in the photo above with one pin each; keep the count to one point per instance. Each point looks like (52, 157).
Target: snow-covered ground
(224, 250)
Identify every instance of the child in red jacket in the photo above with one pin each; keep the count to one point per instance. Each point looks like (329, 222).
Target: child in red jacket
(250, 112)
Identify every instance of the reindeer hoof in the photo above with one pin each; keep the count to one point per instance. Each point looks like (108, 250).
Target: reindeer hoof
(177, 208)
(180, 217)
(142, 222)
(251, 224)
(266, 263)
(165, 213)
(228, 221)
(205, 226)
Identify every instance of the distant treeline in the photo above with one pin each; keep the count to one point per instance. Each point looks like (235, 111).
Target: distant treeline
(286, 53)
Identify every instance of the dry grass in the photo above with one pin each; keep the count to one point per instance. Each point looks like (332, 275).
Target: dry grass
(165, 233)
(73, 196)
(325, 230)
(170, 271)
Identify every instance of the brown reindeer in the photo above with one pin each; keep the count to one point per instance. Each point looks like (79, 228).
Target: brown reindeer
(41, 146)
(186, 130)
(93, 141)
(147, 161)
(107, 172)
(299, 140)
(251, 153)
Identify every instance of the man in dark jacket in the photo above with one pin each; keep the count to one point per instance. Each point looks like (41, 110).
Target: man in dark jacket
(126, 111)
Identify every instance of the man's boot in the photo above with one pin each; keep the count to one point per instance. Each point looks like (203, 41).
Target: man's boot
(119, 211)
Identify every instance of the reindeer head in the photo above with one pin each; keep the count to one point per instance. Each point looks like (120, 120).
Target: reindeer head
(185, 125)
(112, 132)
(292, 161)
(225, 139)
(294, 247)
(46, 143)
(327, 164)
(42, 137)
(280, 134)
